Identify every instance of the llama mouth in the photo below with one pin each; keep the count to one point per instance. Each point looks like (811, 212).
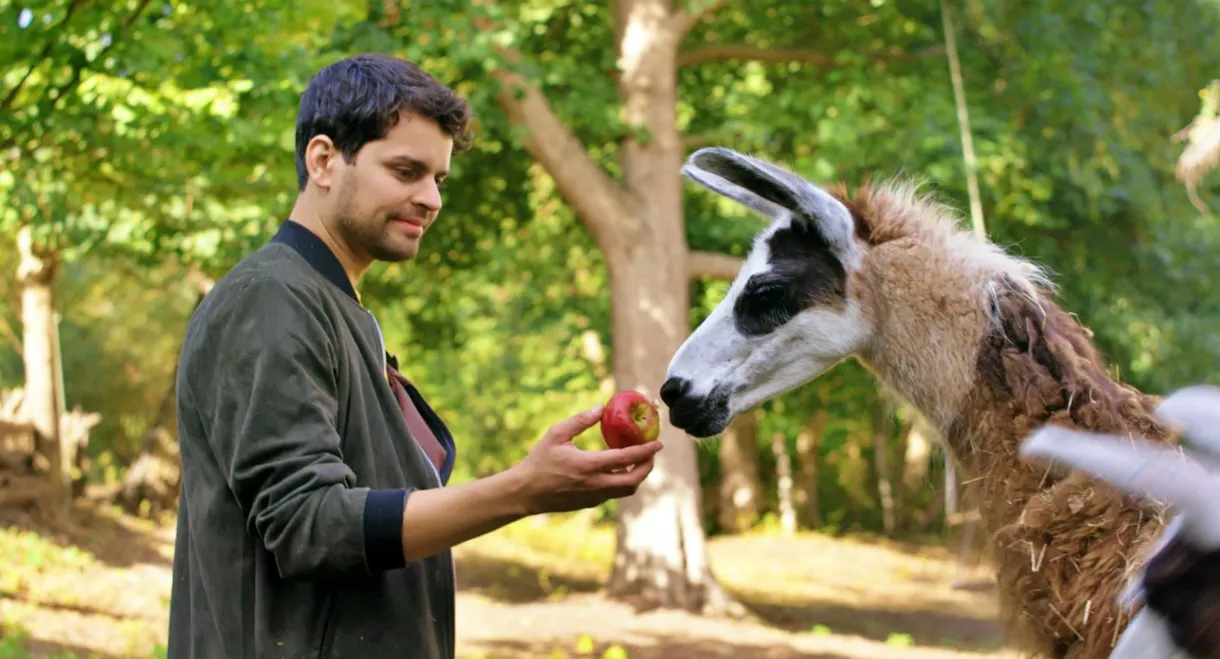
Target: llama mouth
(701, 417)
(701, 427)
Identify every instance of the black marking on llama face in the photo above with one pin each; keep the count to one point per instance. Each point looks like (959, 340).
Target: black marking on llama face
(803, 272)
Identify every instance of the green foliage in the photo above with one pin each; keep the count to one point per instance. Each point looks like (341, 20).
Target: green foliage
(124, 327)
(1101, 207)
(171, 144)
(113, 111)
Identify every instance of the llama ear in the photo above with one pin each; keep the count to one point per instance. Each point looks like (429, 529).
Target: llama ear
(1146, 635)
(1195, 411)
(775, 192)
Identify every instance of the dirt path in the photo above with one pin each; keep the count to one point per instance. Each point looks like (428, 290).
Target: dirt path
(531, 591)
(560, 629)
(528, 594)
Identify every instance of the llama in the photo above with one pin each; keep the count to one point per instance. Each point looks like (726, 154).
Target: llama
(968, 334)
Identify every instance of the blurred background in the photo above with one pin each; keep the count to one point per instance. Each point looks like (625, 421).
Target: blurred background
(146, 146)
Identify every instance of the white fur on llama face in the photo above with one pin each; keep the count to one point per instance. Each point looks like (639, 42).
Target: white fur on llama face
(787, 317)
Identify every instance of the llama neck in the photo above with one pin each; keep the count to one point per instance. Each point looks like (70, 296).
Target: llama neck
(989, 365)
(926, 337)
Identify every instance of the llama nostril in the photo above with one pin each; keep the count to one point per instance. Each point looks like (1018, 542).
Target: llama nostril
(673, 390)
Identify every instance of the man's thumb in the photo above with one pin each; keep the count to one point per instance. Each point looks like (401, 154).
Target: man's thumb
(574, 425)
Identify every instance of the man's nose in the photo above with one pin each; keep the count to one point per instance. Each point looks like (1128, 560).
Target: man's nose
(428, 195)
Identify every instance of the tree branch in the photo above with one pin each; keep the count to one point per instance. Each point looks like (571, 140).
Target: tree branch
(593, 194)
(687, 18)
(729, 52)
(42, 56)
(712, 265)
(10, 335)
(78, 68)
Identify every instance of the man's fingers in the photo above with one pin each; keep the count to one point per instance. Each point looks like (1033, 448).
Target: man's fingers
(624, 482)
(621, 458)
(572, 426)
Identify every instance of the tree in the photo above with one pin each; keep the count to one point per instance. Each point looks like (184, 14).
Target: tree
(637, 223)
(108, 121)
(614, 147)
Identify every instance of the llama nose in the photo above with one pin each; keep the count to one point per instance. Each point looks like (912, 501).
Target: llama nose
(674, 390)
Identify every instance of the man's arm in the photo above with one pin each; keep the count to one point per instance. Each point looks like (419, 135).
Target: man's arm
(267, 396)
(264, 383)
(438, 519)
(555, 476)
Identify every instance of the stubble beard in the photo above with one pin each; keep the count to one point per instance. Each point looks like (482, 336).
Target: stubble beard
(369, 236)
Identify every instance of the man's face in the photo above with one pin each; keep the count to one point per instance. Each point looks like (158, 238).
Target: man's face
(386, 199)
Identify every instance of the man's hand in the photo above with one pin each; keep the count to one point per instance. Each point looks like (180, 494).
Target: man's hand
(557, 476)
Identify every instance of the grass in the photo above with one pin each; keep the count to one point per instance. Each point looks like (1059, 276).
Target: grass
(98, 589)
(809, 585)
(528, 591)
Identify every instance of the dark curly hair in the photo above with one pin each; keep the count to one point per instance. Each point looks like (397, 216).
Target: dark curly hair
(358, 99)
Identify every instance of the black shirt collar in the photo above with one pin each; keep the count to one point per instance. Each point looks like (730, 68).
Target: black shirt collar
(316, 254)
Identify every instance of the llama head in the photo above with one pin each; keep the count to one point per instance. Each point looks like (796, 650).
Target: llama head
(794, 310)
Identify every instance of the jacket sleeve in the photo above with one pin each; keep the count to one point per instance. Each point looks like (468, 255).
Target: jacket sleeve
(265, 386)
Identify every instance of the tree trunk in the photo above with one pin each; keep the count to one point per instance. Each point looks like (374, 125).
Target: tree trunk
(43, 384)
(882, 426)
(783, 477)
(808, 442)
(917, 457)
(740, 486)
(661, 558)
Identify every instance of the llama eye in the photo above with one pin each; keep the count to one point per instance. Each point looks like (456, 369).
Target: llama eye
(768, 294)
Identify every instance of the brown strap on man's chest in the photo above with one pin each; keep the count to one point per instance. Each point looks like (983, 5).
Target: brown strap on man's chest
(415, 421)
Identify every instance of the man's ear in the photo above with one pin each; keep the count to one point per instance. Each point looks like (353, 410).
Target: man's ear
(775, 192)
(320, 155)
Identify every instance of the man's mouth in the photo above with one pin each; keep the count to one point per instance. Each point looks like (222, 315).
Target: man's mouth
(415, 223)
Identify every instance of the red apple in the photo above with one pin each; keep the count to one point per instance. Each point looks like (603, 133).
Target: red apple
(630, 418)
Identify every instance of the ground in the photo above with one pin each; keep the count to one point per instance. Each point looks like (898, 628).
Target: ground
(101, 589)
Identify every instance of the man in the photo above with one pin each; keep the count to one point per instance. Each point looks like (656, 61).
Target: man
(314, 521)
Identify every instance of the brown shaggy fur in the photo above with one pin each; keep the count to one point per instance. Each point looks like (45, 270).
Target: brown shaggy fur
(1064, 544)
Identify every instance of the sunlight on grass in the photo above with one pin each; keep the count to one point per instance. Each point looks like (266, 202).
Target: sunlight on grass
(15, 643)
(847, 571)
(53, 593)
(18, 547)
(567, 543)
(27, 556)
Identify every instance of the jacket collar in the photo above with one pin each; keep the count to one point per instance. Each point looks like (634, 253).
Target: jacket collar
(316, 254)
(320, 258)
